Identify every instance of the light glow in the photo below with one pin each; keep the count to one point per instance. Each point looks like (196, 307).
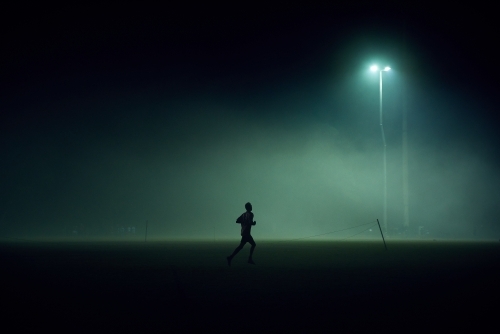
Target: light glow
(374, 68)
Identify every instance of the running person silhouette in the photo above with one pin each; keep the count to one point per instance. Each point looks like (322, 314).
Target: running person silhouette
(246, 221)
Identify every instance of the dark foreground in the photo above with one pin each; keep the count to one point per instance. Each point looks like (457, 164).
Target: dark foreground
(306, 286)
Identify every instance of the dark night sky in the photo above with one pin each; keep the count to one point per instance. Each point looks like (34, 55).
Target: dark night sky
(114, 116)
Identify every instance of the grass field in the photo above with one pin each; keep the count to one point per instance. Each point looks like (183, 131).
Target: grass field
(306, 285)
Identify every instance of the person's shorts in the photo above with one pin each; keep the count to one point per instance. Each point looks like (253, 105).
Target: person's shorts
(247, 238)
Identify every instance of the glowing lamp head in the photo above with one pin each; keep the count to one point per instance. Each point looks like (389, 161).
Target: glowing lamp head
(387, 68)
(374, 68)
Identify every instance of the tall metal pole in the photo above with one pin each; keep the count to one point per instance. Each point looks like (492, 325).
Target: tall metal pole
(406, 209)
(384, 221)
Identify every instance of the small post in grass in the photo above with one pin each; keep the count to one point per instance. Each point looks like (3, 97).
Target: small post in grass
(381, 234)
(146, 235)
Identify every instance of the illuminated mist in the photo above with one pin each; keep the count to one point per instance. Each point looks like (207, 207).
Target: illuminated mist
(183, 129)
(189, 176)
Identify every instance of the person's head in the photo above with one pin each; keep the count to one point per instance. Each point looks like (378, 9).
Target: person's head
(248, 206)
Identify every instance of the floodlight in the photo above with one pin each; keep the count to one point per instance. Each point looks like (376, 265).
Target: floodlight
(387, 68)
(374, 68)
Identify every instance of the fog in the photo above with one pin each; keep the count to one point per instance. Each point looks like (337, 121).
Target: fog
(294, 132)
(189, 175)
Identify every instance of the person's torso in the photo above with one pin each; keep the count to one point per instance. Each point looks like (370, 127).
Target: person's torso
(246, 224)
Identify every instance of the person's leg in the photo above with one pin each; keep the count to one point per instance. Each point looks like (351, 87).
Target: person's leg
(237, 249)
(251, 242)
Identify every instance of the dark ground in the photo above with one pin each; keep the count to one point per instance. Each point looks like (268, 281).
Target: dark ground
(306, 286)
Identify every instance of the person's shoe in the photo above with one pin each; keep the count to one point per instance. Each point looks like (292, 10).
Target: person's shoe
(250, 261)
(228, 261)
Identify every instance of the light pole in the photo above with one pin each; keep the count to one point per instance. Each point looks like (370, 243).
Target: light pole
(375, 68)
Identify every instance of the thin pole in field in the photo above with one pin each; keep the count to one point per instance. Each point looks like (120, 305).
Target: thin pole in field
(381, 234)
(146, 235)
